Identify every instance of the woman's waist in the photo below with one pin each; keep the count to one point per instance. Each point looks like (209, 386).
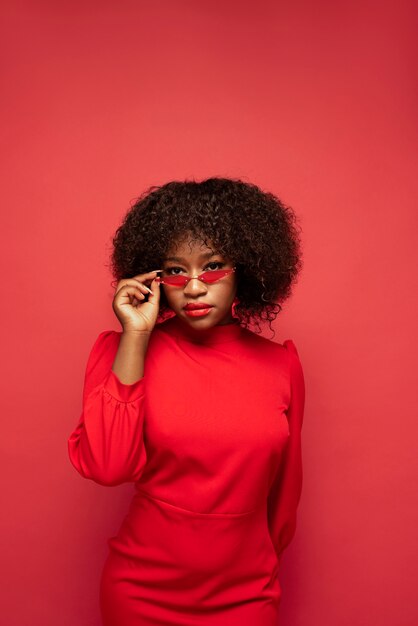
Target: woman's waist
(160, 534)
(201, 505)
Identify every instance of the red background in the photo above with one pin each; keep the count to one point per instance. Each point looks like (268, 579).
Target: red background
(315, 101)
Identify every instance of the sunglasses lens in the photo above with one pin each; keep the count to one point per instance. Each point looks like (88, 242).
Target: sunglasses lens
(206, 277)
(212, 277)
(173, 280)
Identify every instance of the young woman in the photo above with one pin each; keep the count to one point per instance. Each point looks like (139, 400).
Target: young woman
(203, 414)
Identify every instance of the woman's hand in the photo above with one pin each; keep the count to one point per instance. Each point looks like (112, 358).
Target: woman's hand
(134, 314)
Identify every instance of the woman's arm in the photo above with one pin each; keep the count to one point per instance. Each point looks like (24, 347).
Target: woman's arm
(286, 489)
(107, 443)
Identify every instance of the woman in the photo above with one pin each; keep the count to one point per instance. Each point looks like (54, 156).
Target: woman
(201, 413)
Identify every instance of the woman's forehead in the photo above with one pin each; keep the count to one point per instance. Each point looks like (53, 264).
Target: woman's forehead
(191, 248)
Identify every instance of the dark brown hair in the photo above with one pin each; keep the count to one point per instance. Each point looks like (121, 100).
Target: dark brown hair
(252, 227)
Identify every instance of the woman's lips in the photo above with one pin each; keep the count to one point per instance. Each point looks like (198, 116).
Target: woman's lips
(197, 312)
(197, 305)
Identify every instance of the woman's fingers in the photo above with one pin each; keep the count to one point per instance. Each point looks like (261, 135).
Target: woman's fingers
(136, 281)
(130, 305)
(149, 276)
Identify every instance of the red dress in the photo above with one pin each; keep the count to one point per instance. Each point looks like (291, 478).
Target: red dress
(211, 437)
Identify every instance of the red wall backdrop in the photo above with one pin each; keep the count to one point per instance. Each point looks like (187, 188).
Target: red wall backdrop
(315, 101)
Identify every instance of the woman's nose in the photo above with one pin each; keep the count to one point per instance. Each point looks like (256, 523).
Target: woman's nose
(195, 287)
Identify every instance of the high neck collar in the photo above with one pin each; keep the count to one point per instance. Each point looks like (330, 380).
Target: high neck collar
(208, 336)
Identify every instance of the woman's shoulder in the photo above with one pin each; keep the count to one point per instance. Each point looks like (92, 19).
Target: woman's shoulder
(108, 338)
(265, 343)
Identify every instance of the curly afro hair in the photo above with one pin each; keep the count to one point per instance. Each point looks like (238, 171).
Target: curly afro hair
(239, 220)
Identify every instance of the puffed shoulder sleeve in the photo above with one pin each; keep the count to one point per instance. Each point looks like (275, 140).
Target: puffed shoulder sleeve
(285, 492)
(107, 444)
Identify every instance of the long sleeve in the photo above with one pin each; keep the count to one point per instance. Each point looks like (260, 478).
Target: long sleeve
(285, 492)
(107, 444)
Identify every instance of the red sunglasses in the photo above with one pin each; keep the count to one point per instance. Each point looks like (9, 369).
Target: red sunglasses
(206, 277)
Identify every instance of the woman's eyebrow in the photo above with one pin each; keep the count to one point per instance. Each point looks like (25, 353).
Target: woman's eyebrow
(205, 255)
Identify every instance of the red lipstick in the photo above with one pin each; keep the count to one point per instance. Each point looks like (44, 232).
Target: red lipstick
(197, 305)
(197, 309)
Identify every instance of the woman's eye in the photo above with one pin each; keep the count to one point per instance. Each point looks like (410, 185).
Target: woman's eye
(170, 270)
(215, 263)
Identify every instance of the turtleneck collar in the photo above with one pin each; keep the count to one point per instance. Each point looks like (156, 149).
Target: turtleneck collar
(208, 336)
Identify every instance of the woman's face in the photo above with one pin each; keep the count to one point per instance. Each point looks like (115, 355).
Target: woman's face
(193, 258)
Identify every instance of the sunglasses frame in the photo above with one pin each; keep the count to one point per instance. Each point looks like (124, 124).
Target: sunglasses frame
(188, 278)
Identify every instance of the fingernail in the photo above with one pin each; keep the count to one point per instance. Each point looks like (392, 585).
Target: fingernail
(148, 289)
